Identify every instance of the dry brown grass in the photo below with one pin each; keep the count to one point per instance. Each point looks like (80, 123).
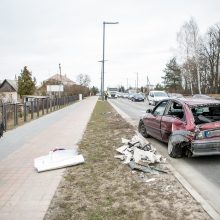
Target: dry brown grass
(104, 188)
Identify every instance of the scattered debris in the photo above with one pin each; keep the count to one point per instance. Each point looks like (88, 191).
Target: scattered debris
(106, 113)
(122, 149)
(121, 157)
(144, 169)
(58, 158)
(148, 156)
(150, 180)
(140, 155)
(124, 141)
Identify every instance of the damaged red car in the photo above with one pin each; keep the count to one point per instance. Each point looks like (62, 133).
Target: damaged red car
(191, 127)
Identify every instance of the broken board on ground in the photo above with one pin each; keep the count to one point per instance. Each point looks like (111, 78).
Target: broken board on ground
(58, 158)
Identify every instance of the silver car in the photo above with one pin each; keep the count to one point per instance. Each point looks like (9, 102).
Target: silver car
(156, 96)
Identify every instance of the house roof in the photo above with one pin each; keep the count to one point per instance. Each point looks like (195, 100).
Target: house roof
(62, 78)
(12, 83)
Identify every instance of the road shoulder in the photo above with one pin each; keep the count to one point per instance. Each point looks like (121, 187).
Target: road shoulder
(206, 206)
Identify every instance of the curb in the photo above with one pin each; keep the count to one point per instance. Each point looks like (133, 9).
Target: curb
(205, 205)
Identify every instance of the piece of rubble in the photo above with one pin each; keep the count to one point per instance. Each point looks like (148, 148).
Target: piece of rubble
(147, 156)
(158, 169)
(139, 154)
(149, 180)
(121, 157)
(122, 149)
(124, 141)
(128, 156)
(152, 167)
(106, 113)
(144, 169)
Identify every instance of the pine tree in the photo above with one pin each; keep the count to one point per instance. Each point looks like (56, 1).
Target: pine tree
(26, 85)
(172, 78)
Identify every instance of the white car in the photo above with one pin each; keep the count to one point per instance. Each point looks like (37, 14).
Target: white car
(156, 96)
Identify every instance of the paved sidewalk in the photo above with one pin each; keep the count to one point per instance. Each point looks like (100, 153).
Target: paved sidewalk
(24, 193)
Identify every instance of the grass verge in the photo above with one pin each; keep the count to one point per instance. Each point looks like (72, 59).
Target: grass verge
(103, 188)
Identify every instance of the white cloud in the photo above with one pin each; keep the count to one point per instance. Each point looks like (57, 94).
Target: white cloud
(42, 34)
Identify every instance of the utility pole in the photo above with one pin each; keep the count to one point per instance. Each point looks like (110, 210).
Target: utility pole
(137, 82)
(101, 61)
(60, 79)
(103, 58)
(148, 84)
(60, 71)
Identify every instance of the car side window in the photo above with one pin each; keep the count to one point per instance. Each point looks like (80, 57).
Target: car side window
(159, 110)
(176, 109)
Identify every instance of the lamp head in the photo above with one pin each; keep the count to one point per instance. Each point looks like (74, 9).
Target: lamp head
(105, 22)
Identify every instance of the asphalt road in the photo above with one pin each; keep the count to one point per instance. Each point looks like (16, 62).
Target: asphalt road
(202, 173)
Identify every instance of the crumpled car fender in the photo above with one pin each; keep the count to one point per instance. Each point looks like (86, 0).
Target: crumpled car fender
(181, 136)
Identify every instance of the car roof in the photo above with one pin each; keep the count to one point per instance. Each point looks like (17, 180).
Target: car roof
(157, 91)
(202, 96)
(197, 102)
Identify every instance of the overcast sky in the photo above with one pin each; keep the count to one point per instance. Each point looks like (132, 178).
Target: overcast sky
(40, 34)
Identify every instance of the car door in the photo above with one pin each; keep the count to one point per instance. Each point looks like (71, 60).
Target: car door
(173, 116)
(153, 121)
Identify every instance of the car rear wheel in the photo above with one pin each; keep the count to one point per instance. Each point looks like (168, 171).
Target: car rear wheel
(142, 129)
(174, 151)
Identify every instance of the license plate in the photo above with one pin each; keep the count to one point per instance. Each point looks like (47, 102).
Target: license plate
(214, 133)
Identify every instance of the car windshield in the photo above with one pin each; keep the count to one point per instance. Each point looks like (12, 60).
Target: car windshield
(160, 94)
(113, 89)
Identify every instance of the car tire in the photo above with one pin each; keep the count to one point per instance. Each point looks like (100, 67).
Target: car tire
(174, 151)
(142, 129)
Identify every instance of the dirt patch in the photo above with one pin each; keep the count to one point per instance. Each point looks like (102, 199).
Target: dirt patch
(104, 188)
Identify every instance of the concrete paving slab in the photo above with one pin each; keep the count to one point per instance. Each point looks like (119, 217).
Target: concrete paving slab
(24, 193)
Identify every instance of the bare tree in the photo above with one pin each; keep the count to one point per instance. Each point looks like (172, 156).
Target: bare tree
(188, 39)
(83, 79)
(210, 51)
(183, 40)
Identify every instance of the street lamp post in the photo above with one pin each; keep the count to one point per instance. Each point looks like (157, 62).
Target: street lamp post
(101, 77)
(103, 58)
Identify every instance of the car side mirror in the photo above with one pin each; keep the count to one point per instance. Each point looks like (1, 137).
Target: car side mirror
(149, 111)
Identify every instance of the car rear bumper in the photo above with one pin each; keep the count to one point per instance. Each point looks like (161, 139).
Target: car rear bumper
(205, 147)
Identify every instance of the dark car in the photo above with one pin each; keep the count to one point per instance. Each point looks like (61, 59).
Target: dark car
(130, 96)
(138, 98)
(191, 127)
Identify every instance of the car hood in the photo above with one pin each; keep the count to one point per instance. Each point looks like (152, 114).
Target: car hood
(159, 98)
